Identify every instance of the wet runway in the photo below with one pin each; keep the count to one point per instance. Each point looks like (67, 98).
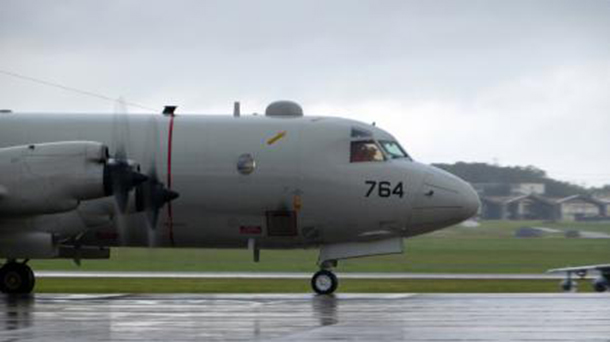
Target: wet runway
(304, 317)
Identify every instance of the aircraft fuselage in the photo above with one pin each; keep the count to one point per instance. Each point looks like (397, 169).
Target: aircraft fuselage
(284, 182)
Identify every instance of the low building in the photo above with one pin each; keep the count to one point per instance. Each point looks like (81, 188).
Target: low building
(537, 207)
(577, 207)
(521, 207)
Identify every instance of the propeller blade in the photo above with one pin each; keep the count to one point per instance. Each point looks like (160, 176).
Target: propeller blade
(121, 175)
(120, 178)
(152, 195)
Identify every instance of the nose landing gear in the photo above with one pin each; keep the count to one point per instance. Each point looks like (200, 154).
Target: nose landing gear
(325, 281)
(16, 277)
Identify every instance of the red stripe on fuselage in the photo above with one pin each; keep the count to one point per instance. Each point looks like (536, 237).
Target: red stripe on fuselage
(170, 216)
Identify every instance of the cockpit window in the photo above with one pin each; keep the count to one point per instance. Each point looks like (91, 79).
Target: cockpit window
(361, 133)
(365, 151)
(393, 149)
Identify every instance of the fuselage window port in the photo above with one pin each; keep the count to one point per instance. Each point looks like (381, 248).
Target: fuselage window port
(365, 151)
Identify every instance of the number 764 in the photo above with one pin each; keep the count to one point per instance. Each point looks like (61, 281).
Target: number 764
(384, 189)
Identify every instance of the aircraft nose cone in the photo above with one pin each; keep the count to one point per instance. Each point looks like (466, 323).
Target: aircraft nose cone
(443, 200)
(470, 200)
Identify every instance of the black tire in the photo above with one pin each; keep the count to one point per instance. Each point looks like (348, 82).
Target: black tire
(600, 286)
(29, 285)
(324, 282)
(568, 286)
(16, 278)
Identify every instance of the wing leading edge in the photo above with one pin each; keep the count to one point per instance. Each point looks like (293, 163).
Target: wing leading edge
(602, 268)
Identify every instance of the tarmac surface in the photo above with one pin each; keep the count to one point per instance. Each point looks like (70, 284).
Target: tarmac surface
(306, 317)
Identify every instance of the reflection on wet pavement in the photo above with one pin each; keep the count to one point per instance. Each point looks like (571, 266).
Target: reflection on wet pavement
(374, 317)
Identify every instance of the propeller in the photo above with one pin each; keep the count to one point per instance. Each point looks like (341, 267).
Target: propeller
(120, 178)
(152, 194)
(123, 175)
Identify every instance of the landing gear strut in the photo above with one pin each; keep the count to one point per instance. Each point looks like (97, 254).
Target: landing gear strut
(325, 281)
(16, 277)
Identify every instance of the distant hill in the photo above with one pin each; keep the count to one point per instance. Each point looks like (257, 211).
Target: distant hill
(487, 173)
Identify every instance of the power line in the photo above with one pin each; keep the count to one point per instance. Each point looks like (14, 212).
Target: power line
(74, 90)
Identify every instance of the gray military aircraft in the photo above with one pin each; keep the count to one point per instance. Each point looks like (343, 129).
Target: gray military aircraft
(600, 283)
(72, 186)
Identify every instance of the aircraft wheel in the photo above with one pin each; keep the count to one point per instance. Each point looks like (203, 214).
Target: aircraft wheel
(16, 278)
(324, 282)
(568, 285)
(600, 287)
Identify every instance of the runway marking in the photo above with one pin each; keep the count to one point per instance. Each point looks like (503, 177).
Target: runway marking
(293, 275)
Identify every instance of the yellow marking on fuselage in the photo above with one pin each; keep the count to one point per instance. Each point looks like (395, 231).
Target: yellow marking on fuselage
(277, 137)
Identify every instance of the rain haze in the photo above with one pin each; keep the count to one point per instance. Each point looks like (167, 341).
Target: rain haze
(507, 82)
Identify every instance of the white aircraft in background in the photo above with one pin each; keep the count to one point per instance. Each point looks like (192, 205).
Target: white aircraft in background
(600, 284)
(71, 186)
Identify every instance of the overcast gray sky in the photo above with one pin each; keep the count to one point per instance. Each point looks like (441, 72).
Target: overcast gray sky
(512, 82)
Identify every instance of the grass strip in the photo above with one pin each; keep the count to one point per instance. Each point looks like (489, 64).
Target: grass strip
(174, 285)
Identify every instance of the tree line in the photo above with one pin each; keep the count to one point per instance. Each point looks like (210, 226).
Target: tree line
(487, 173)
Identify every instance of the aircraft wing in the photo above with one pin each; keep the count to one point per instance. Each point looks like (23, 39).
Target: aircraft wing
(600, 284)
(602, 268)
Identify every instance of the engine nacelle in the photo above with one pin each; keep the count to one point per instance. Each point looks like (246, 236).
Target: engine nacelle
(601, 284)
(30, 245)
(51, 177)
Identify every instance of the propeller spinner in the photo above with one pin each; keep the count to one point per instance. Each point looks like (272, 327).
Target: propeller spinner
(120, 177)
(151, 196)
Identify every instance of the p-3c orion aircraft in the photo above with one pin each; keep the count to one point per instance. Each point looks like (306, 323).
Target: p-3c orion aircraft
(72, 186)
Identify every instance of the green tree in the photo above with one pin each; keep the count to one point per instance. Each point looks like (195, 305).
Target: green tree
(487, 173)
